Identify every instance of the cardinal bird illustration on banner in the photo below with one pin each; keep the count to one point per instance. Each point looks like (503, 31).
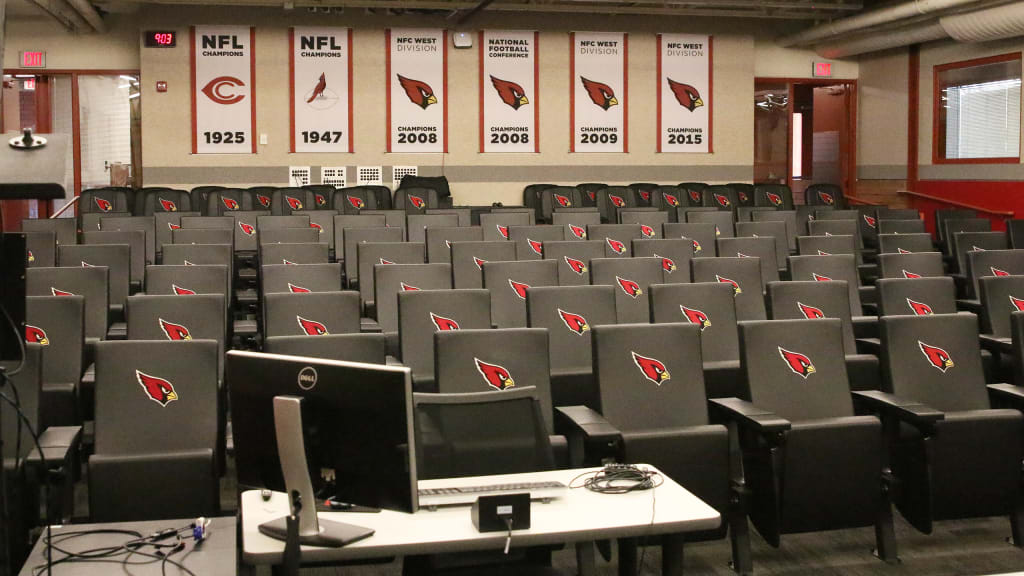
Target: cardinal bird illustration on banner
(419, 93)
(601, 94)
(510, 92)
(686, 95)
(321, 85)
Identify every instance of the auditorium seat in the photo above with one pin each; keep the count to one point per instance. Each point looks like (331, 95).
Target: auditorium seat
(576, 221)
(439, 241)
(135, 239)
(768, 229)
(373, 254)
(573, 259)
(63, 228)
(777, 196)
(722, 220)
(468, 259)
(555, 198)
(668, 199)
(415, 199)
(323, 222)
(915, 226)
(763, 249)
(694, 193)
(300, 278)
(529, 240)
(589, 191)
(303, 235)
(826, 245)
(145, 223)
(675, 254)
(299, 253)
(701, 236)
(722, 198)
(424, 313)
(464, 215)
(495, 224)
(115, 257)
(917, 296)
(1000, 296)
(828, 195)
(149, 202)
(57, 323)
(284, 201)
(617, 237)
(416, 224)
(226, 200)
(742, 274)
(905, 243)
(510, 283)
(91, 283)
(650, 221)
(953, 225)
(942, 215)
(991, 263)
(353, 237)
(321, 196)
(966, 242)
(40, 249)
(311, 314)
(352, 200)
(632, 279)
(612, 199)
(393, 279)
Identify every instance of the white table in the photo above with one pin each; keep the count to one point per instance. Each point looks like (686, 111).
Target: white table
(581, 516)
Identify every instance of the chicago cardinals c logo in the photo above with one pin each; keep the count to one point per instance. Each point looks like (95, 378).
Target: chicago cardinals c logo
(577, 266)
(631, 288)
(810, 312)
(159, 390)
(652, 368)
(936, 356)
(510, 92)
(311, 327)
(616, 246)
(694, 316)
(220, 90)
(919, 308)
(575, 322)
(519, 288)
(37, 335)
(497, 377)
(1017, 304)
(167, 205)
(601, 94)
(442, 323)
(419, 93)
(103, 205)
(686, 95)
(578, 231)
(174, 331)
(735, 286)
(798, 363)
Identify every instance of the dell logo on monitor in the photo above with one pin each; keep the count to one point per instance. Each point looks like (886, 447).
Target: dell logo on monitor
(307, 378)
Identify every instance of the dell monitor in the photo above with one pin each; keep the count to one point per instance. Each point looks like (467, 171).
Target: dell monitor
(356, 419)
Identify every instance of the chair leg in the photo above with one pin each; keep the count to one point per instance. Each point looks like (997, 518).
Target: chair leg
(627, 556)
(739, 537)
(1017, 525)
(885, 534)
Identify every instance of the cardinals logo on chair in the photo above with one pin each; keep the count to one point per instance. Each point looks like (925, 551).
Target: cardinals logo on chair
(173, 226)
(694, 316)
(810, 312)
(443, 324)
(998, 272)
(1017, 303)
(537, 247)
(907, 274)
(647, 231)
(601, 94)
(321, 200)
(826, 198)
(497, 377)
(102, 204)
(652, 368)
(293, 203)
(356, 202)
(479, 262)
(87, 265)
(36, 335)
(578, 231)
(616, 246)
(168, 206)
(384, 262)
(503, 230)
(902, 251)
(936, 356)
(295, 289)
(631, 288)
(687, 96)
(820, 277)
(174, 331)
(645, 195)
(667, 264)
(697, 248)
(58, 292)
(723, 201)
(735, 286)
(287, 262)
(742, 196)
(179, 291)
(247, 229)
(576, 266)
(510, 92)
(670, 199)
(696, 196)
(408, 287)
(263, 200)
(870, 221)
(419, 93)
(575, 322)
(798, 363)
(562, 201)
(417, 202)
(319, 229)
(774, 198)
(229, 203)
(519, 288)
(823, 253)
(31, 256)
(159, 390)
(919, 308)
(311, 327)
(616, 201)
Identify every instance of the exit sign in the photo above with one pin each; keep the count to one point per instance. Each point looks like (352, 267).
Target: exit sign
(822, 69)
(32, 59)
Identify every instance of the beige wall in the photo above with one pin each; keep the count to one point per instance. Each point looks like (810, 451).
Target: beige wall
(882, 115)
(772, 61)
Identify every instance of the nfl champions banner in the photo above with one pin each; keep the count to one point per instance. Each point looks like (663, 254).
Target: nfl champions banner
(223, 95)
(417, 93)
(598, 64)
(684, 93)
(509, 113)
(320, 61)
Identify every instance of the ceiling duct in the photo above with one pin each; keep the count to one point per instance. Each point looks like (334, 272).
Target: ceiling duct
(883, 41)
(984, 25)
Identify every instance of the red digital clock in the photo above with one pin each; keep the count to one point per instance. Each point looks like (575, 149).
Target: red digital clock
(161, 39)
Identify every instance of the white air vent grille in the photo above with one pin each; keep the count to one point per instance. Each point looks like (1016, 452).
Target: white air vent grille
(298, 175)
(333, 175)
(369, 176)
(399, 172)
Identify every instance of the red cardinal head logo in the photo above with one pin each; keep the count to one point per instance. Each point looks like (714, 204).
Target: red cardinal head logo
(907, 274)
(616, 246)
(742, 255)
(295, 289)
(998, 272)
(722, 200)
(774, 198)
(742, 196)
(647, 231)
(384, 262)
(503, 230)
(102, 204)
(179, 291)
(616, 201)
(695, 196)
(318, 90)
(800, 365)
(652, 368)
(319, 229)
(697, 248)
(497, 377)
(36, 335)
(287, 261)
(247, 229)
(293, 203)
(229, 203)
(578, 231)
(632, 289)
(870, 221)
(416, 202)
(577, 266)
(311, 327)
(159, 390)
(575, 322)
(174, 331)
(694, 316)
(442, 323)
(601, 94)
(419, 93)
(902, 251)
(168, 206)
(667, 264)
(562, 201)
(58, 292)
(519, 288)
(686, 95)
(321, 200)
(479, 262)
(810, 312)
(263, 200)
(510, 92)
(645, 195)
(823, 253)
(735, 286)
(936, 356)
(820, 277)
(31, 256)
(1017, 304)
(919, 308)
(537, 247)
(670, 199)
(356, 202)
(826, 198)
(408, 287)
(87, 265)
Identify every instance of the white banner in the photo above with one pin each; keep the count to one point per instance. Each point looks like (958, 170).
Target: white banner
(320, 62)
(223, 98)
(598, 91)
(417, 93)
(508, 91)
(684, 93)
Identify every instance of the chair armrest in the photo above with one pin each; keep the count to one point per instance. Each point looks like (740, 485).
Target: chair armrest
(58, 443)
(748, 415)
(390, 360)
(909, 411)
(995, 344)
(581, 420)
(1007, 395)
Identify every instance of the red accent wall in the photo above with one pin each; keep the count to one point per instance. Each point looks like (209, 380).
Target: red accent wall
(993, 195)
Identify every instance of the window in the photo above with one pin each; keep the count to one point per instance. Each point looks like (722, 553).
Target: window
(977, 111)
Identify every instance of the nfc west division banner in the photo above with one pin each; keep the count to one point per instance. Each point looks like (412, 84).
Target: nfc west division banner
(320, 62)
(508, 91)
(597, 91)
(684, 93)
(223, 102)
(417, 77)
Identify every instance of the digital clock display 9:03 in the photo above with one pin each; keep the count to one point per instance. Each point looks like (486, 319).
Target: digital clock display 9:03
(161, 39)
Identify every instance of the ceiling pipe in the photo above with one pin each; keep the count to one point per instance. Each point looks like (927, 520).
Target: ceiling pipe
(88, 12)
(870, 19)
(984, 25)
(883, 41)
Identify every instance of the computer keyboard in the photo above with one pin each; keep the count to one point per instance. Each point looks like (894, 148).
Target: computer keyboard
(469, 494)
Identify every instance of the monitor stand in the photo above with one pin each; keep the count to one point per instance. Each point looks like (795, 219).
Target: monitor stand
(313, 531)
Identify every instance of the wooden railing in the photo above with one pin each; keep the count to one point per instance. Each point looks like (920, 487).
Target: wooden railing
(856, 200)
(958, 204)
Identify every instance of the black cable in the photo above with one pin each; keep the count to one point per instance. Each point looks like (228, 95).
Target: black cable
(618, 479)
(42, 459)
(121, 553)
